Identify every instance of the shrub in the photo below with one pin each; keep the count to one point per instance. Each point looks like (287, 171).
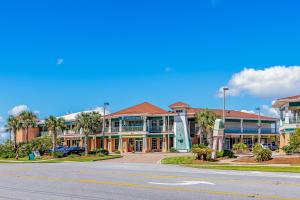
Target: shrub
(24, 150)
(240, 148)
(117, 152)
(202, 152)
(58, 154)
(173, 150)
(225, 153)
(104, 152)
(263, 155)
(7, 150)
(288, 149)
(73, 156)
(257, 148)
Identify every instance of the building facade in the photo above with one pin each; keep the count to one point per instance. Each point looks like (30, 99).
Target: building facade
(148, 128)
(289, 109)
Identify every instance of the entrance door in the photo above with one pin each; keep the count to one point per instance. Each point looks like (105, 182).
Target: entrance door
(138, 145)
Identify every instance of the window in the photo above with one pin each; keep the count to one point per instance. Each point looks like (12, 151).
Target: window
(161, 143)
(154, 143)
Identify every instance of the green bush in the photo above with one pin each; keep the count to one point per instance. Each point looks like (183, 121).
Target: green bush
(58, 154)
(202, 152)
(104, 152)
(240, 148)
(288, 149)
(7, 150)
(263, 155)
(173, 150)
(73, 156)
(257, 148)
(226, 154)
(117, 152)
(24, 150)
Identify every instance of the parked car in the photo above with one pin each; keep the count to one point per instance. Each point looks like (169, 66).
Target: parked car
(58, 148)
(272, 147)
(75, 150)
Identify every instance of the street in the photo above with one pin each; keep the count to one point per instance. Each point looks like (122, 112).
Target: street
(109, 180)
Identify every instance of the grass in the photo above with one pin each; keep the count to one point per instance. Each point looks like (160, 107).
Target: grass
(71, 158)
(188, 161)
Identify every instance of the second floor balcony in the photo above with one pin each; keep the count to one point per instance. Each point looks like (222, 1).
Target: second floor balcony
(250, 130)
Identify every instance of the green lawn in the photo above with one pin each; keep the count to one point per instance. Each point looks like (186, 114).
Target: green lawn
(71, 158)
(188, 162)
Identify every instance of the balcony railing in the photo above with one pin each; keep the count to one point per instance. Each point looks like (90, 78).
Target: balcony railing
(249, 130)
(155, 129)
(115, 129)
(292, 120)
(132, 128)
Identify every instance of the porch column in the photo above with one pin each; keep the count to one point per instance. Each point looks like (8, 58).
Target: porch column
(164, 143)
(109, 144)
(120, 125)
(164, 124)
(121, 144)
(242, 125)
(145, 147)
(109, 125)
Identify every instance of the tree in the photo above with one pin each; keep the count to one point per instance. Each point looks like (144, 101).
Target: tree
(27, 120)
(12, 126)
(206, 121)
(89, 124)
(55, 125)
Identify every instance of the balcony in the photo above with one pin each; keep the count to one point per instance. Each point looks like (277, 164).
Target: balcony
(155, 129)
(70, 132)
(292, 120)
(132, 128)
(115, 129)
(233, 130)
(252, 130)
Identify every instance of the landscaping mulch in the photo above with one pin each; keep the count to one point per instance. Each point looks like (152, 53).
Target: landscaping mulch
(276, 160)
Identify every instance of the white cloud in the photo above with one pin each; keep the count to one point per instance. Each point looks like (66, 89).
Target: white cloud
(59, 61)
(1, 118)
(267, 110)
(248, 111)
(271, 82)
(18, 109)
(2, 128)
(168, 69)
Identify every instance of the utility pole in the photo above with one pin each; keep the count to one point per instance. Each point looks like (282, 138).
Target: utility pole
(224, 116)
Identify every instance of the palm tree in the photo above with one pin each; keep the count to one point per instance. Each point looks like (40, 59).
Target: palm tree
(206, 121)
(27, 120)
(88, 123)
(55, 125)
(12, 126)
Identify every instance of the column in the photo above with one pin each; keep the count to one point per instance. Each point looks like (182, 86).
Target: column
(158, 143)
(164, 124)
(164, 143)
(145, 146)
(109, 125)
(109, 144)
(145, 124)
(121, 144)
(120, 125)
(242, 126)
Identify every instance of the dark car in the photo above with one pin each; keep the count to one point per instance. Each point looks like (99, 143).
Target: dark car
(74, 150)
(58, 148)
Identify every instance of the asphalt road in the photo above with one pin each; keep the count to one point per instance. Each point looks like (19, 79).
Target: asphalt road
(105, 180)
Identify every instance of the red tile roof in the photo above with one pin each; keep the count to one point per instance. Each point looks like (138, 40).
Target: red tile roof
(231, 114)
(179, 105)
(290, 97)
(141, 109)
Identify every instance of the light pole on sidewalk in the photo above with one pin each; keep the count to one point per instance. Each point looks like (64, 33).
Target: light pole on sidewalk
(259, 126)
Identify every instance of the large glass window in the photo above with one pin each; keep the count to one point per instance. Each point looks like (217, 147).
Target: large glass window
(154, 143)
(116, 143)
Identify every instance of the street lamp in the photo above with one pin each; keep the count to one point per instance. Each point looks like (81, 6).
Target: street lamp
(103, 125)
(259, 126)
(224, 107)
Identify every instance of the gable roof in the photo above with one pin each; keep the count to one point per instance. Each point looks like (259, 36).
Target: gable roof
(290, 97)
(141, 109)
(282, 101)
(231, 114)
(179, 105)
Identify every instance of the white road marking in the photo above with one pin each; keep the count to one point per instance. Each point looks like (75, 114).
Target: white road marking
(183, 183)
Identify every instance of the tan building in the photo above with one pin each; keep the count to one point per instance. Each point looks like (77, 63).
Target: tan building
(32, 133)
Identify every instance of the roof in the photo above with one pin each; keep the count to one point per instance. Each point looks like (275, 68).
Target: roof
(231, 114)
(72, 116)
(141, 109)
(282, 101)
(179, 105)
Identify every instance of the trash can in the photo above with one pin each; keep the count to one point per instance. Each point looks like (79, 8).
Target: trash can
(31, 156)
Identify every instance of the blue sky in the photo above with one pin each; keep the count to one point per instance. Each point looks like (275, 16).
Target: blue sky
(69, 55)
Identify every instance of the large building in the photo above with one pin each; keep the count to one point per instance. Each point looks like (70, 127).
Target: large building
(148, 128)
(289, 109)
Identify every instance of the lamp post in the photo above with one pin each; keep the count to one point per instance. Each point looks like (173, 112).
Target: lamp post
(224, 107)
(259, 126)
(103, 125)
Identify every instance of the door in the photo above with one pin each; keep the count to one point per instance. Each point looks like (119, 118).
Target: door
(138, 145)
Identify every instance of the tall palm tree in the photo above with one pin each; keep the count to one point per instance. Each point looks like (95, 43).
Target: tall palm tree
(12, 126)
(55, 125)
(27, 119)
(206, 121)
(89, 124)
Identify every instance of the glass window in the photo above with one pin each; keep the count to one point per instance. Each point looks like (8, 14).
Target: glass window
(116, 144)
(154, 143)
